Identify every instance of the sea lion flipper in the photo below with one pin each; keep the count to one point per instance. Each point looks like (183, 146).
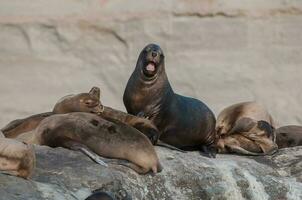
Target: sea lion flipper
(84, 149)
(243, 125)
(240, 150)
(208, 151)
(162, 144)
(93, 156)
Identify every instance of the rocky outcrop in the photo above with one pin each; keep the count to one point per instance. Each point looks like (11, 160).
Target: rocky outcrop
(64, 174)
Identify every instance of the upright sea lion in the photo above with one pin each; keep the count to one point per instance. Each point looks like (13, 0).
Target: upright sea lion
(246, 128)
(83, 102)
(94, 135)
(183, 122)
(289, 136)
(16, 158)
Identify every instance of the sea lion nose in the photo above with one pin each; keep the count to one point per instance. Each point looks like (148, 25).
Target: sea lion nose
(154, 54)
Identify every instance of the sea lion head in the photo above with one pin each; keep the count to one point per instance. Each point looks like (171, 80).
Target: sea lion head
(90, 102)
(151, 62)
(83, 102)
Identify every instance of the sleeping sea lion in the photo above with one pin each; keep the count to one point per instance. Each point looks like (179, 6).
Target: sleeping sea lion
(246, 128)
(95, 136)
(83, 102)
(183, 122)
(16, 158)
(289, 136)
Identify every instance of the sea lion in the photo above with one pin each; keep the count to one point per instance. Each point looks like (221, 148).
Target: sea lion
(255, 138)
(183, 122)
(96, 136)
(246, 128)
(100, 196)
(289, 136)
(228, 118)
(16, 158)
(83, 102)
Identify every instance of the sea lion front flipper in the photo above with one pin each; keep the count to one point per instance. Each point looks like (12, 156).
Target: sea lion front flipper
(162, 144)
(84, 149)
(240, 150)
(208, 151)
(243, 125)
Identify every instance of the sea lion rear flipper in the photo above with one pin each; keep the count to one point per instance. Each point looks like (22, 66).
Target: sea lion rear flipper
(84, 149)
(239, 150)
(162, 144)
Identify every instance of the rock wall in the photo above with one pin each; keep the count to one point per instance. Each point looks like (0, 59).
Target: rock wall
(220, 51)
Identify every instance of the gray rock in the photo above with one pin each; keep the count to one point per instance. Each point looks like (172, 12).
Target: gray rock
(64, 174)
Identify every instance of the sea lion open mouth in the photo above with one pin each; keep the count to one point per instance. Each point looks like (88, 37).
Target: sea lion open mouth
(150, 69)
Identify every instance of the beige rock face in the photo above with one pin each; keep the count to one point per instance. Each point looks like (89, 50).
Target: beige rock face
(219, 51)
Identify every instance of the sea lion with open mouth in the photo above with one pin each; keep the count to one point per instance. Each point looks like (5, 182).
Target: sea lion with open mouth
(183, 122)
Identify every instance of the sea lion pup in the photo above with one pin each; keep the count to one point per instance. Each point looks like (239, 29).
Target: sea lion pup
(289, 136)
(183, 122)
(94, 135)
(245, 128)
(83, 102)
(16, 158)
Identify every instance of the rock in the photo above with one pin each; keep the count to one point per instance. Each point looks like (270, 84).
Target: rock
(64, 174)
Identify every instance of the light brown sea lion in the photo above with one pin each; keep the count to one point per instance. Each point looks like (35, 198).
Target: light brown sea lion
(289, 136)
(255, 138)
(246, 128)
(96, 136)
(83, 102)
(183, 122)
(16, 158)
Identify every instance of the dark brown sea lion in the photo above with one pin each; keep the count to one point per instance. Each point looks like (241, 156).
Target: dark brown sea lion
(100, 196)
(246, 128)
(16, 158)
(183, 122)
(96, 136)
(289, 136)
(83, 102)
